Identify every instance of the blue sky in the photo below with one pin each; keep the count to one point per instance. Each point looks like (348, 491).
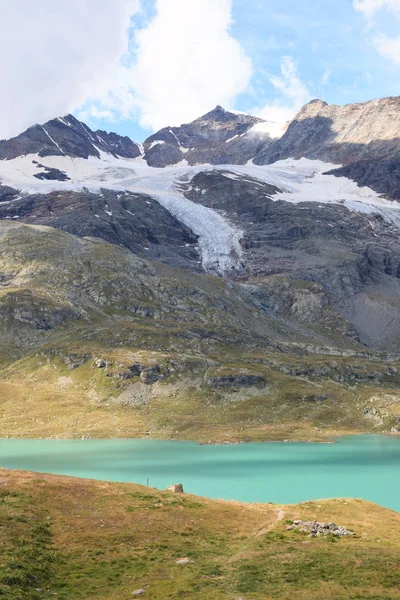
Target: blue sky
(322, 36)
(330, 43)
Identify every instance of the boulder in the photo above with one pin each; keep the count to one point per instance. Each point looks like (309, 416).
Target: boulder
(183, 561)
(100, 363)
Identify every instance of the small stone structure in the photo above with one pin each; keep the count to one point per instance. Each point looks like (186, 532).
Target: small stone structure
(176, 488)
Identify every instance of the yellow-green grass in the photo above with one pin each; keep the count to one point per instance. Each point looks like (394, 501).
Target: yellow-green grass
(41, 397)
(78, 539)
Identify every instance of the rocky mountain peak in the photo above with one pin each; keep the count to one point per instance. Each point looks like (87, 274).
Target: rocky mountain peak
(67, 136)
(312, 108)
(217, 112)
(204, 140)
(363, 139)
(357, 123)
(221, 116)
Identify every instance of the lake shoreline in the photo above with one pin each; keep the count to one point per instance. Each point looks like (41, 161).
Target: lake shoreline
(332, 439)
(285, 472)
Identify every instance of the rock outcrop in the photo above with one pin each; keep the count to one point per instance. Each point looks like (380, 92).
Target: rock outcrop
(315, 528)
(7, 193)
(235, 380)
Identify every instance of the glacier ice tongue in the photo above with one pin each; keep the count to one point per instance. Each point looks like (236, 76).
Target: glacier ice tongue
(219, 240)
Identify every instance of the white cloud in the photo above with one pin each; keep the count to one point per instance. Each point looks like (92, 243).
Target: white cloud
(325, 77)
(388, 47)
(59, 57)
(55, 53)
(289, 83)
(294, 94)
(186, 63)
(370, 7)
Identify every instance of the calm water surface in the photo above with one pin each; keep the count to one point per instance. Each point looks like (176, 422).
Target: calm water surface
(365, 467)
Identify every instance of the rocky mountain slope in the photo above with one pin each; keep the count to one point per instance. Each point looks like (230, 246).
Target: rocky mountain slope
(364, 138)
(66, 136)
(181, 291)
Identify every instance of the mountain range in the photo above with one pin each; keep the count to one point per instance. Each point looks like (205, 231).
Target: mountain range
(210, 283)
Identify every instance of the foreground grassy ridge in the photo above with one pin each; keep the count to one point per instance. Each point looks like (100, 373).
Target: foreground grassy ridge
(67, 538)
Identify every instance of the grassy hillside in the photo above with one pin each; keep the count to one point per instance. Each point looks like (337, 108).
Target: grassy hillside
(41, 398)
(95, 341)
(67, 538)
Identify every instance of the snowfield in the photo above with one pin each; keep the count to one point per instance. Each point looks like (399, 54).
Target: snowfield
(219, 240)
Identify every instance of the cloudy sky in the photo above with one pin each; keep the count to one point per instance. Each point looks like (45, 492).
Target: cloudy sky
(133, 66)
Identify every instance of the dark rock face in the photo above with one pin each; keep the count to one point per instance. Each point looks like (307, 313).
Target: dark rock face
(67, 136)
(218, 137)
(137, 222)
(36, 311)
(365, 138)
(50, 174)
(163, 154)
(7, 193)
(150, 375)
(350, 256)
(117, 145)
(301, 240)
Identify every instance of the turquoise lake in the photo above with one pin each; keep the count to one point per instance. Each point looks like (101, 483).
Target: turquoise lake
(365, 467)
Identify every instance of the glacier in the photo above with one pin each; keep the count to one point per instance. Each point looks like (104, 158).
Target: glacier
(219, 242)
